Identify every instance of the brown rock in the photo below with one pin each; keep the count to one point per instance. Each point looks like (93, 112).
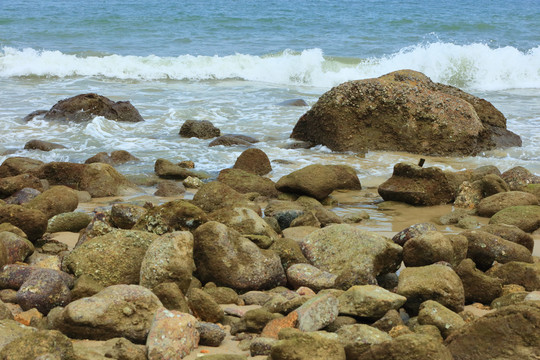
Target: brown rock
(201, 129)
(404, 111)
(56, 200)
(12, 184)
(518, 177)
(176, 215)
(415, 185)
(85, 107)
(216, 195)
(32, 222)
(229, 140)
(245, 182)
(478, 286)
(42, 145)
(520, 273)
(492, 204)
(18, 165)
(508, 333)
(409, 347)
(169, 188)
(254, 161)
(510, 233)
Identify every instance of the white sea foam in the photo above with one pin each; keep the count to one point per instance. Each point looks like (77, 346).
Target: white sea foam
(474, 66)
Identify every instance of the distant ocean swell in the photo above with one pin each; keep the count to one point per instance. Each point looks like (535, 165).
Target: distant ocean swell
(474, 66)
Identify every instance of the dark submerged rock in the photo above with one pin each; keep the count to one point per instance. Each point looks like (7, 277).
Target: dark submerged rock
(42, 145)
(201, 129)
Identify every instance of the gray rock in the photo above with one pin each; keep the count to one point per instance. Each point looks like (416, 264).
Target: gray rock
(317, 312)
(308, 275)
(369, 301)
(117, 311)
(168, 259)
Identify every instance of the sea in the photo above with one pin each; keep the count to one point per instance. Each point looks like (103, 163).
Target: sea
(233, 62)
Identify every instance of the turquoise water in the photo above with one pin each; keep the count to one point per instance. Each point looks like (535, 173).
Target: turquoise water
(231, 62)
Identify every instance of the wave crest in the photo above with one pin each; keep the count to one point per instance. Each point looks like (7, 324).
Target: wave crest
(475, 66)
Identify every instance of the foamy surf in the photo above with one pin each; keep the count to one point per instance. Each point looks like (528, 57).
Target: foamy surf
(474, 66)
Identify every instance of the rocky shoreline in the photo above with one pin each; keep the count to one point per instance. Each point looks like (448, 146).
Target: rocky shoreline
(238, 266)
(242, 267)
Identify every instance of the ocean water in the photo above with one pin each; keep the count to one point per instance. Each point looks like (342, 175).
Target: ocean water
(233, 62)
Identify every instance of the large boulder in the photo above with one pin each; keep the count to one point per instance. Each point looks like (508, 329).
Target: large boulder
(519, 177)
(98, 179)
(416, 185)
(319, 181)
(41, 344)
(478, 286)
(369, 301)
(111, 259)
(508, 333)
(404, 111)
(223, 256)
(116, 311)
(85, 107)
(343, 247)
(510, 233)
(517, 272)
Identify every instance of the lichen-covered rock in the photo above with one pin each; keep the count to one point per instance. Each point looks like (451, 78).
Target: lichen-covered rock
(116, 311)
(168, 188)
(201, 129)
(308, 346)
(97, 179)
(508, 333)
(177, 215)
(216, 195)
(432, 282)
(416, 185)
(369, 301)
(518, 177)
(41, 344)
(337, 247)
(478, 286)
(520, 273)
(172, 335)
(485, 248)
(223, 256)
(13, 248)
(254, 161)
(85, 107)
(526, 217)
(490, 205)
(17, 165)
(245, 182)
(204, 306)
(433, 313)
(12, 184)
(357, 338)
(54, 201)
(244, 220)
(167, 170)
(307, 275)
(111, 259)
(289, 252)
(404, 111)
(511, 233)
(427, 248)
(169, 258)
(319, 181)
(125, 216)
(317, 312)
(409, 347)
(69, 221)
(32, 222)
